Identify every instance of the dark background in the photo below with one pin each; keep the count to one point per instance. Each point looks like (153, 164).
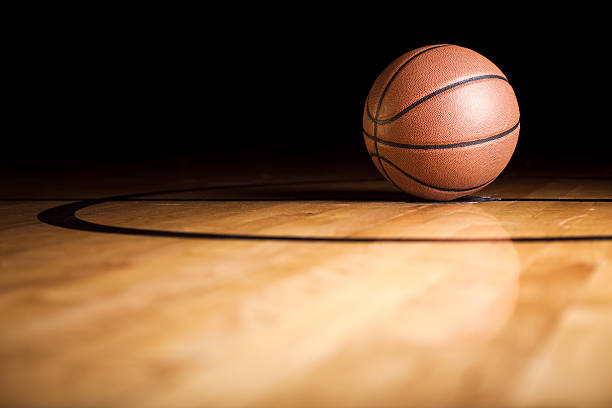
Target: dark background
(105, 87)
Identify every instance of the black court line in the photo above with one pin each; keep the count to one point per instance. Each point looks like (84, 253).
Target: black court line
(378, 198)
(566, 200)
(2, 199)
(442, 146)
(64, 216)
(556, 176)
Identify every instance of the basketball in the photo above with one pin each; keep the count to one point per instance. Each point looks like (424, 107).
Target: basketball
(441, 122)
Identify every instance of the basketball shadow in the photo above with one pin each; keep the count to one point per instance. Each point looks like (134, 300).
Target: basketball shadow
(378, 192)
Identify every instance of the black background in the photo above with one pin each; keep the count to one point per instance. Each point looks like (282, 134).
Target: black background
(99, 87)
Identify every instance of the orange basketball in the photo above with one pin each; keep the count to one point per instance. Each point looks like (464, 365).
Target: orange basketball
(441, 122)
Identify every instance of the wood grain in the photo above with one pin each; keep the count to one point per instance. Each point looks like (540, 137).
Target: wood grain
(91, 319)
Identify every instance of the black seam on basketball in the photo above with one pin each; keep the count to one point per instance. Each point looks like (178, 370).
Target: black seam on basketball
(454, 190)
(385, 175)
(383, 171)
(442, 146)
(401, 67)
(429, 96)
(382, 95)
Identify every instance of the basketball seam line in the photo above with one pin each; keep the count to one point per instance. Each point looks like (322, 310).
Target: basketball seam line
(454, 190)
(399, 69)
(443, 146)
(382, 95)
(429, 96)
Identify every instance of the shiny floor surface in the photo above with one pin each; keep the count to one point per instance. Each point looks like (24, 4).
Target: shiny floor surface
(293, 290)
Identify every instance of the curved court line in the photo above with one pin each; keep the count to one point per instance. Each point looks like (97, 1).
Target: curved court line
(64, 216)
(442, 146)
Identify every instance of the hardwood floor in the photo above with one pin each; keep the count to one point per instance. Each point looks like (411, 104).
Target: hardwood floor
(183, 290)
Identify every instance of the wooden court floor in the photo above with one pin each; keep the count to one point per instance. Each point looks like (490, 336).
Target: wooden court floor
(220, 289)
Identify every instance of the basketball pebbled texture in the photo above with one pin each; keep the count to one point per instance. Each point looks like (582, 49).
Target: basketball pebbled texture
(441, 122)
